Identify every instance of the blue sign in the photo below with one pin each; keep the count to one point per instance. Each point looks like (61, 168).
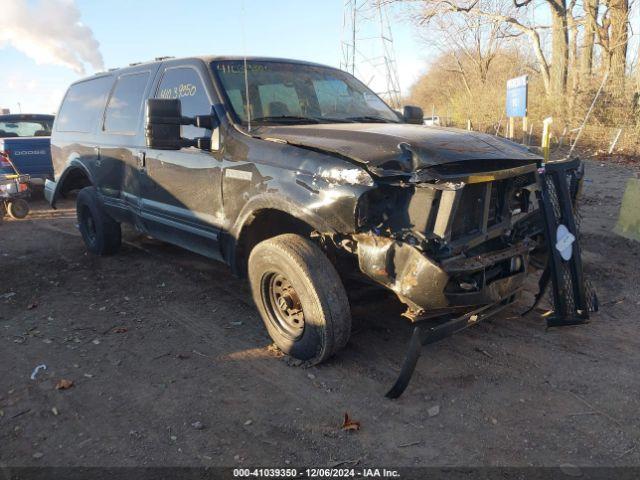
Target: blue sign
(517, 89)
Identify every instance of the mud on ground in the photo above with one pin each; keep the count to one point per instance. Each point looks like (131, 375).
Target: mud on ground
(171, 365)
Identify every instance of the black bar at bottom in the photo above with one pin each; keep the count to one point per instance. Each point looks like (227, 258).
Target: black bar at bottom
(423, 335)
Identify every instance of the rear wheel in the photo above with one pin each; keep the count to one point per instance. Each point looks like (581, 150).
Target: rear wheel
(300, 297)
(100, 232)
(18, 208)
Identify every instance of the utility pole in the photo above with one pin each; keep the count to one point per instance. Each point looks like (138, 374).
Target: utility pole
(348, 44)
(358, 29)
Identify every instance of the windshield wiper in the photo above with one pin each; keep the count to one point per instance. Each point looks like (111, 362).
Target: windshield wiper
(286, 119)
(334, 120)
(370, 119)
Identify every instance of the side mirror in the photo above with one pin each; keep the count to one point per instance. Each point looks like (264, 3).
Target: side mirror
(162, 124)
(413, 115)
(163, 119)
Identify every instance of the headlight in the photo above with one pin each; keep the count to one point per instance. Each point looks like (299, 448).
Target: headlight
(347, 176)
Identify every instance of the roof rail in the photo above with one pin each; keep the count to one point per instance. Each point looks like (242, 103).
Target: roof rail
(159, 59)
(133, 64)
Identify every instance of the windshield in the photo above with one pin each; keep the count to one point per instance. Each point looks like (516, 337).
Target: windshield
(30, 128)
(286, 93)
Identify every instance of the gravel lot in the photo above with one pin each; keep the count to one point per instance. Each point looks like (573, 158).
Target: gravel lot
(171, 365)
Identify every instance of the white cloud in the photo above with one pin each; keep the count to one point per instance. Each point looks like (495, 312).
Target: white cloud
(49, 32)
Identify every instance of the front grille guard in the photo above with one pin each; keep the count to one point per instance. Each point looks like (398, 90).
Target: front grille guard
(573, 298)
(572, 295)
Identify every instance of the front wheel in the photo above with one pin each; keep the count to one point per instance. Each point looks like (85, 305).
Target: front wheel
(18, 208)
(100, 232)
(300, 297)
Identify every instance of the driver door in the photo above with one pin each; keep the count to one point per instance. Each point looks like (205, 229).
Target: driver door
(182, 191)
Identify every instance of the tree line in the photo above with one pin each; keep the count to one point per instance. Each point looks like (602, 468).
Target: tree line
(567, 47)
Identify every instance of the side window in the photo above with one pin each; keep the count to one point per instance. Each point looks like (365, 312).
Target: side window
(185, 84)
(125, 104)
(83, 105)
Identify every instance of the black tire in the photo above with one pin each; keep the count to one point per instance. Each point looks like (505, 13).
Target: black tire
(317, 291)
(100, 232)
(18, 208)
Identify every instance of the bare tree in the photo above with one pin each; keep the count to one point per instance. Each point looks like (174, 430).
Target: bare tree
(512, 20)
(590, 23)
(472, 42)
(618, 41)
(559, 47)
(612, 35)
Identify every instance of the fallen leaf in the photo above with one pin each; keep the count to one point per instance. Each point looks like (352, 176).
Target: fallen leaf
(433, 411)
(31, 306)
(64, 384)
(349, 424)
(120, 330)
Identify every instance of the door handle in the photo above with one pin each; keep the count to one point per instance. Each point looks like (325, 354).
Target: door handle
(142, 160)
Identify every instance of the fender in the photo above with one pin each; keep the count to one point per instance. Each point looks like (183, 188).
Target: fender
(52, 192)
(270, 201)
(286, 205)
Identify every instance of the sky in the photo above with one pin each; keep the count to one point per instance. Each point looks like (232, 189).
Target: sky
(119, 32)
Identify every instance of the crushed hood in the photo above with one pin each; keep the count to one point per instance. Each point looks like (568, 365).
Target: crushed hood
(399, 147)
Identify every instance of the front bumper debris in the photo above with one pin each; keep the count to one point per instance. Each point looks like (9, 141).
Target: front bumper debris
(572, 294)
(424, 335)
(424, 285)
(419, 281)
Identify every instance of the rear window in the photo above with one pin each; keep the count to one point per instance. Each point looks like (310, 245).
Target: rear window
(83, 105)
(31, 128)
(125, 104)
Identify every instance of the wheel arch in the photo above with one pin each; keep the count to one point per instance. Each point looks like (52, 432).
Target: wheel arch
(266, 219)
(76, 176)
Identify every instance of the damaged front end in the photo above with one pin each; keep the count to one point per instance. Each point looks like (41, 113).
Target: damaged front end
(457, 247)
(453, 242)
(453, 222)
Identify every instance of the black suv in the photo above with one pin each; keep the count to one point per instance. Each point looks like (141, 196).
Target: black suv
(301, 178)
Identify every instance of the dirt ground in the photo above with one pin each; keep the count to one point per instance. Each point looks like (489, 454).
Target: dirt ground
(171, 365)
